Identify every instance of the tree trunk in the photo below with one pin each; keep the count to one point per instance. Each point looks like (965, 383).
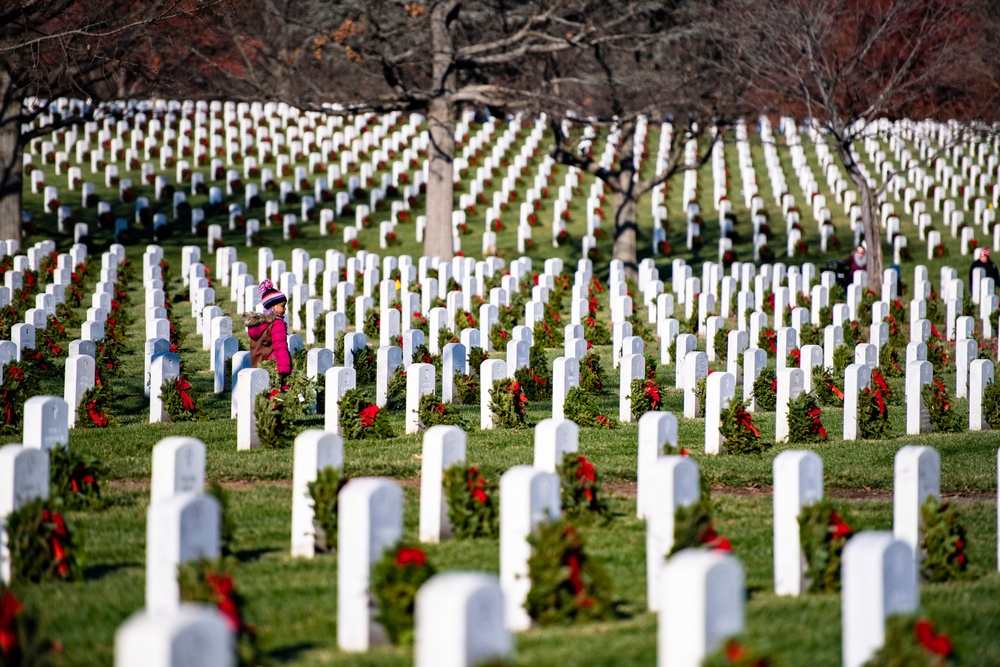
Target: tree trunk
(441, 118)
(625, 225)
(11, 151)
(869, 220)
(440, 188)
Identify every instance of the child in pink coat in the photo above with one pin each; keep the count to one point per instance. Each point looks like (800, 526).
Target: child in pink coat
(267, 331)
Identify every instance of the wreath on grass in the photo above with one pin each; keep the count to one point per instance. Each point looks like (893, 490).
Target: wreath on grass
(843, 356)
(17, 386)
(822, 536)
(767, 340)
(396, 395)
(275, 427)
(361, 419)
(737, 653)
(211, 582)
(477, 355)
(75, 479)
(912, 642)
(365, 366)
(804, 420)
(646, 395)
(825, 386)
(582, 496)
(465, 390)
(41, 544)
(878, 380)
(693, 527)
(94, 410)
(591, 373)
(991, 405)
(567, 586)
(508, 404)
(737, 427)
(325, 492)
(397, 577)
(700, 391)
(177, 400)
(22, 640)
(472, 507)
(595, 331)
(888, 359)
(873, 415)
(943, 545)
(765, 390)
(499, 337)
(536, 387)
(580, 407)
(432, 412)
(939, 408)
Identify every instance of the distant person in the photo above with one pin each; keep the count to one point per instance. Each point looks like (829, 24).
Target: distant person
(267, 331)
(858, 261)
(984, 262)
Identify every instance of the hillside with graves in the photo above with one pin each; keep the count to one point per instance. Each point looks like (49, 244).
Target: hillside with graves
(731, 453)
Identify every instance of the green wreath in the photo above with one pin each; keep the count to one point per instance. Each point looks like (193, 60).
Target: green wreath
(765, 389)
(825, 385)
(499, 337)
(508, 404)
(361, 419)
(645, 395)
(580, 406)
(591, 373)
(465, 390)
(397, 577)
(737, 653)
(567, 586)
(275, 427)
(991, 405)
(42, 544)
(912, 642)
(25, 642)
(472, 506)
(939, 408)
(396, 396)
(693, 526)
(873, 415)
(177, 400)
(822, 536)
(75, 478)
(804, 420)
(365, 366)
(582, 494)
(535, 386)
(325, 492)
(944, 543)
(94, 410)
(432, 412)
(737, 427)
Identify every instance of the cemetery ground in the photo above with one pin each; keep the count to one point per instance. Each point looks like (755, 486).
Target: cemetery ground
(293, 601)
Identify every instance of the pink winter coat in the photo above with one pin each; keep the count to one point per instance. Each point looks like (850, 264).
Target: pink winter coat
(268, 339)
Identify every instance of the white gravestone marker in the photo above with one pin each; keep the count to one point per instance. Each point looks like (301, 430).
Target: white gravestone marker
(444, 446)
(179, 529)
(24, 476)
(674, 484)
(554, 438)
(178, 467)
(315, 450)
(798, 483)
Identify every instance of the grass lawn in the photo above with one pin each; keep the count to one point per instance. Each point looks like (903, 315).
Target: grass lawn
(293, 601)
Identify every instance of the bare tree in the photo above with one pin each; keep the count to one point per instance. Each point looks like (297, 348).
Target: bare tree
(55, 48)
(844, 64)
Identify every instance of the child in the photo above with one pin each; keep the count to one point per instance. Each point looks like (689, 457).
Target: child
(268, 335)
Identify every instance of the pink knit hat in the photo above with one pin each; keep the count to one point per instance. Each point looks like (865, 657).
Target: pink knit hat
(269, 295)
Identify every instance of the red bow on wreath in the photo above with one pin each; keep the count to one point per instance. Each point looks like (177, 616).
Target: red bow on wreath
(653, 392)
(10, 607)
(745, 421)
(840, 529)
(55, 349)
(59, 535)
(410, 556)
(817, 424)
(880, 400)
(880, 381)
(368, 414)
(223, 589)
(80, 477)
(942, 393)
(586, 473)
(96, 415)
(836, 390)
(937, 644)
(58, 326)
(182, 386)
(576, 578)
(515, 388)
(713, 540)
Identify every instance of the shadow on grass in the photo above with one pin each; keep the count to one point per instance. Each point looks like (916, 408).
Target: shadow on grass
(286, 653)
(97, 572)
(252, 555)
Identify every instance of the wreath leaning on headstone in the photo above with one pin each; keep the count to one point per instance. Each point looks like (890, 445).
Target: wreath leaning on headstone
(693, 527)
(94, 410)
(178, 401)
(396, 578)
(365, 366)
(873, 415)
(211, 582)
(804, 420)
(508, 404)
(912, 642)
(23, 636)
(465, 389)
(472, 507)
(324, 493)
(646, 395)
(765, 389)
(825, 385)
(580, 407)
(41, 544)
(991, 405)
(432, 412)
(822, 536)
(736, 652)
(361, 419)
(227, 524)
(75, 478)
(582, 496)
(396, 395)
(737, 427)
(943, 544)
(536, 387)
(17, 386)
(591, 373)
(939, 408)
(275, 427)
(567, 586)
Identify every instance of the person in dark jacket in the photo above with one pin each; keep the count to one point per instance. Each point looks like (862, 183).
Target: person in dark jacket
(856, 262)
(984, 262)
(267, 331)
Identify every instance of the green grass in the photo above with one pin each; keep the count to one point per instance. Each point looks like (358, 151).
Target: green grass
(293, 601)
